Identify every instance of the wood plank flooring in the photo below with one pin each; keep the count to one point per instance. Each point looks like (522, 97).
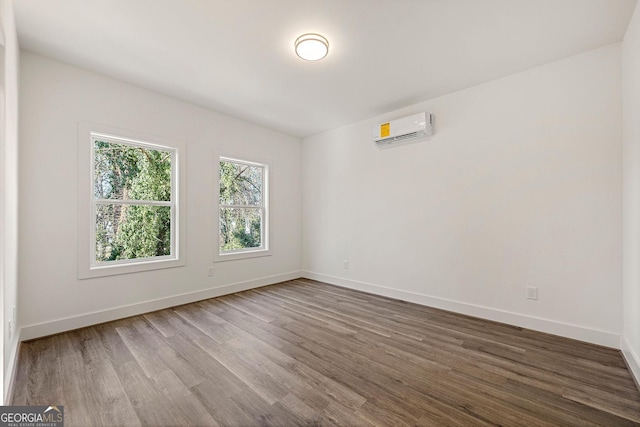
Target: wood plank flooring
(304, 353)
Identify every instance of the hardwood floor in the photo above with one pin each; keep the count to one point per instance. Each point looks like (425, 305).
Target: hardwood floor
(306, 353)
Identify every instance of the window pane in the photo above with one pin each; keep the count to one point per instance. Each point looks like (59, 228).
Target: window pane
(240, 228)
(124, 172)
(132, 231)
(240, 184)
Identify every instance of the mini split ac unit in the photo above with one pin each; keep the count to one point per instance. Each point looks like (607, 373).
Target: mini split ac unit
(405, 129)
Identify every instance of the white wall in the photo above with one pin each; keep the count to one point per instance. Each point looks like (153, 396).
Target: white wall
(519, 186)
(54, 97)
(631, 193)
(8, 191)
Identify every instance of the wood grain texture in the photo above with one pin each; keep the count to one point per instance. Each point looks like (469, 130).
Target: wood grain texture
(307, 353)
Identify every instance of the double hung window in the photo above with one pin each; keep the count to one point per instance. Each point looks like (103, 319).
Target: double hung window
(132, 217)
(242, 207)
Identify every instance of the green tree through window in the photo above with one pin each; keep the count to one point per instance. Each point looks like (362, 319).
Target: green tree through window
(242, 206)
(132, 201)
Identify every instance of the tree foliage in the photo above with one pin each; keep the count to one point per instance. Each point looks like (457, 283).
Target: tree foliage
(129, 173)
(241, 192)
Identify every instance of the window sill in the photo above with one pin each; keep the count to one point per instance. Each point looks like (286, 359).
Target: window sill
(241, 255)
(133, 267)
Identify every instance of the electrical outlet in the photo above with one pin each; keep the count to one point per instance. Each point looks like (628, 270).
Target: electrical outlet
(532, 292)
(10, 329)
(212, 272)
(345, 264)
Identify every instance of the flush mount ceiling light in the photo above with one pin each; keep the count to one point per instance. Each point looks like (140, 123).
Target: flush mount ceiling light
(311, 47)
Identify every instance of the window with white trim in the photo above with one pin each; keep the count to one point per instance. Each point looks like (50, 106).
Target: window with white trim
(130, 211)
(243, 210)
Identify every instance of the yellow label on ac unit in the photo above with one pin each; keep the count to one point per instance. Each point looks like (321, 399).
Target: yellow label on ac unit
(385, 130)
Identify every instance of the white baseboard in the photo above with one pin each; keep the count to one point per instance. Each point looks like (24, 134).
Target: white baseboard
(631, 358)
(12, 370)
(74, 322)
(595, 336)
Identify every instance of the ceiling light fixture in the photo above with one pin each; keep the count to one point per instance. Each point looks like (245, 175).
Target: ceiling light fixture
(311, 47)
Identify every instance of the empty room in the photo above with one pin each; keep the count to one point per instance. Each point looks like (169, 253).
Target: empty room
(320, 212)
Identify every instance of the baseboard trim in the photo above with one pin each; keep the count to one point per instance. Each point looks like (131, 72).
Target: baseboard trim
(581, 333)
(38, 330)
(631, 358)
(12, 370)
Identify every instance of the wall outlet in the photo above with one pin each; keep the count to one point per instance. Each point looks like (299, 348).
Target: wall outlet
(532, 292)
(345, 264)
(10, 329)
(212, 272)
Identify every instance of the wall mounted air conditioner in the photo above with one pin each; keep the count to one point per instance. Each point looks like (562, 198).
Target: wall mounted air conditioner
(405, 129)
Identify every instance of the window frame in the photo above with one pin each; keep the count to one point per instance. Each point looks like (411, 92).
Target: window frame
(88, 267)
(244, 253)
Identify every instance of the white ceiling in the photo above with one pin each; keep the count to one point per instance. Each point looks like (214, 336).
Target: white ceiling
(236, 56)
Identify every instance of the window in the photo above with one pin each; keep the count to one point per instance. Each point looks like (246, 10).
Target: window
(133, 222)
(242, 209)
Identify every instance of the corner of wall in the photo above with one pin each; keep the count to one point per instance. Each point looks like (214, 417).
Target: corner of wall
(631, 359)
(9, 195)
(630, 340)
